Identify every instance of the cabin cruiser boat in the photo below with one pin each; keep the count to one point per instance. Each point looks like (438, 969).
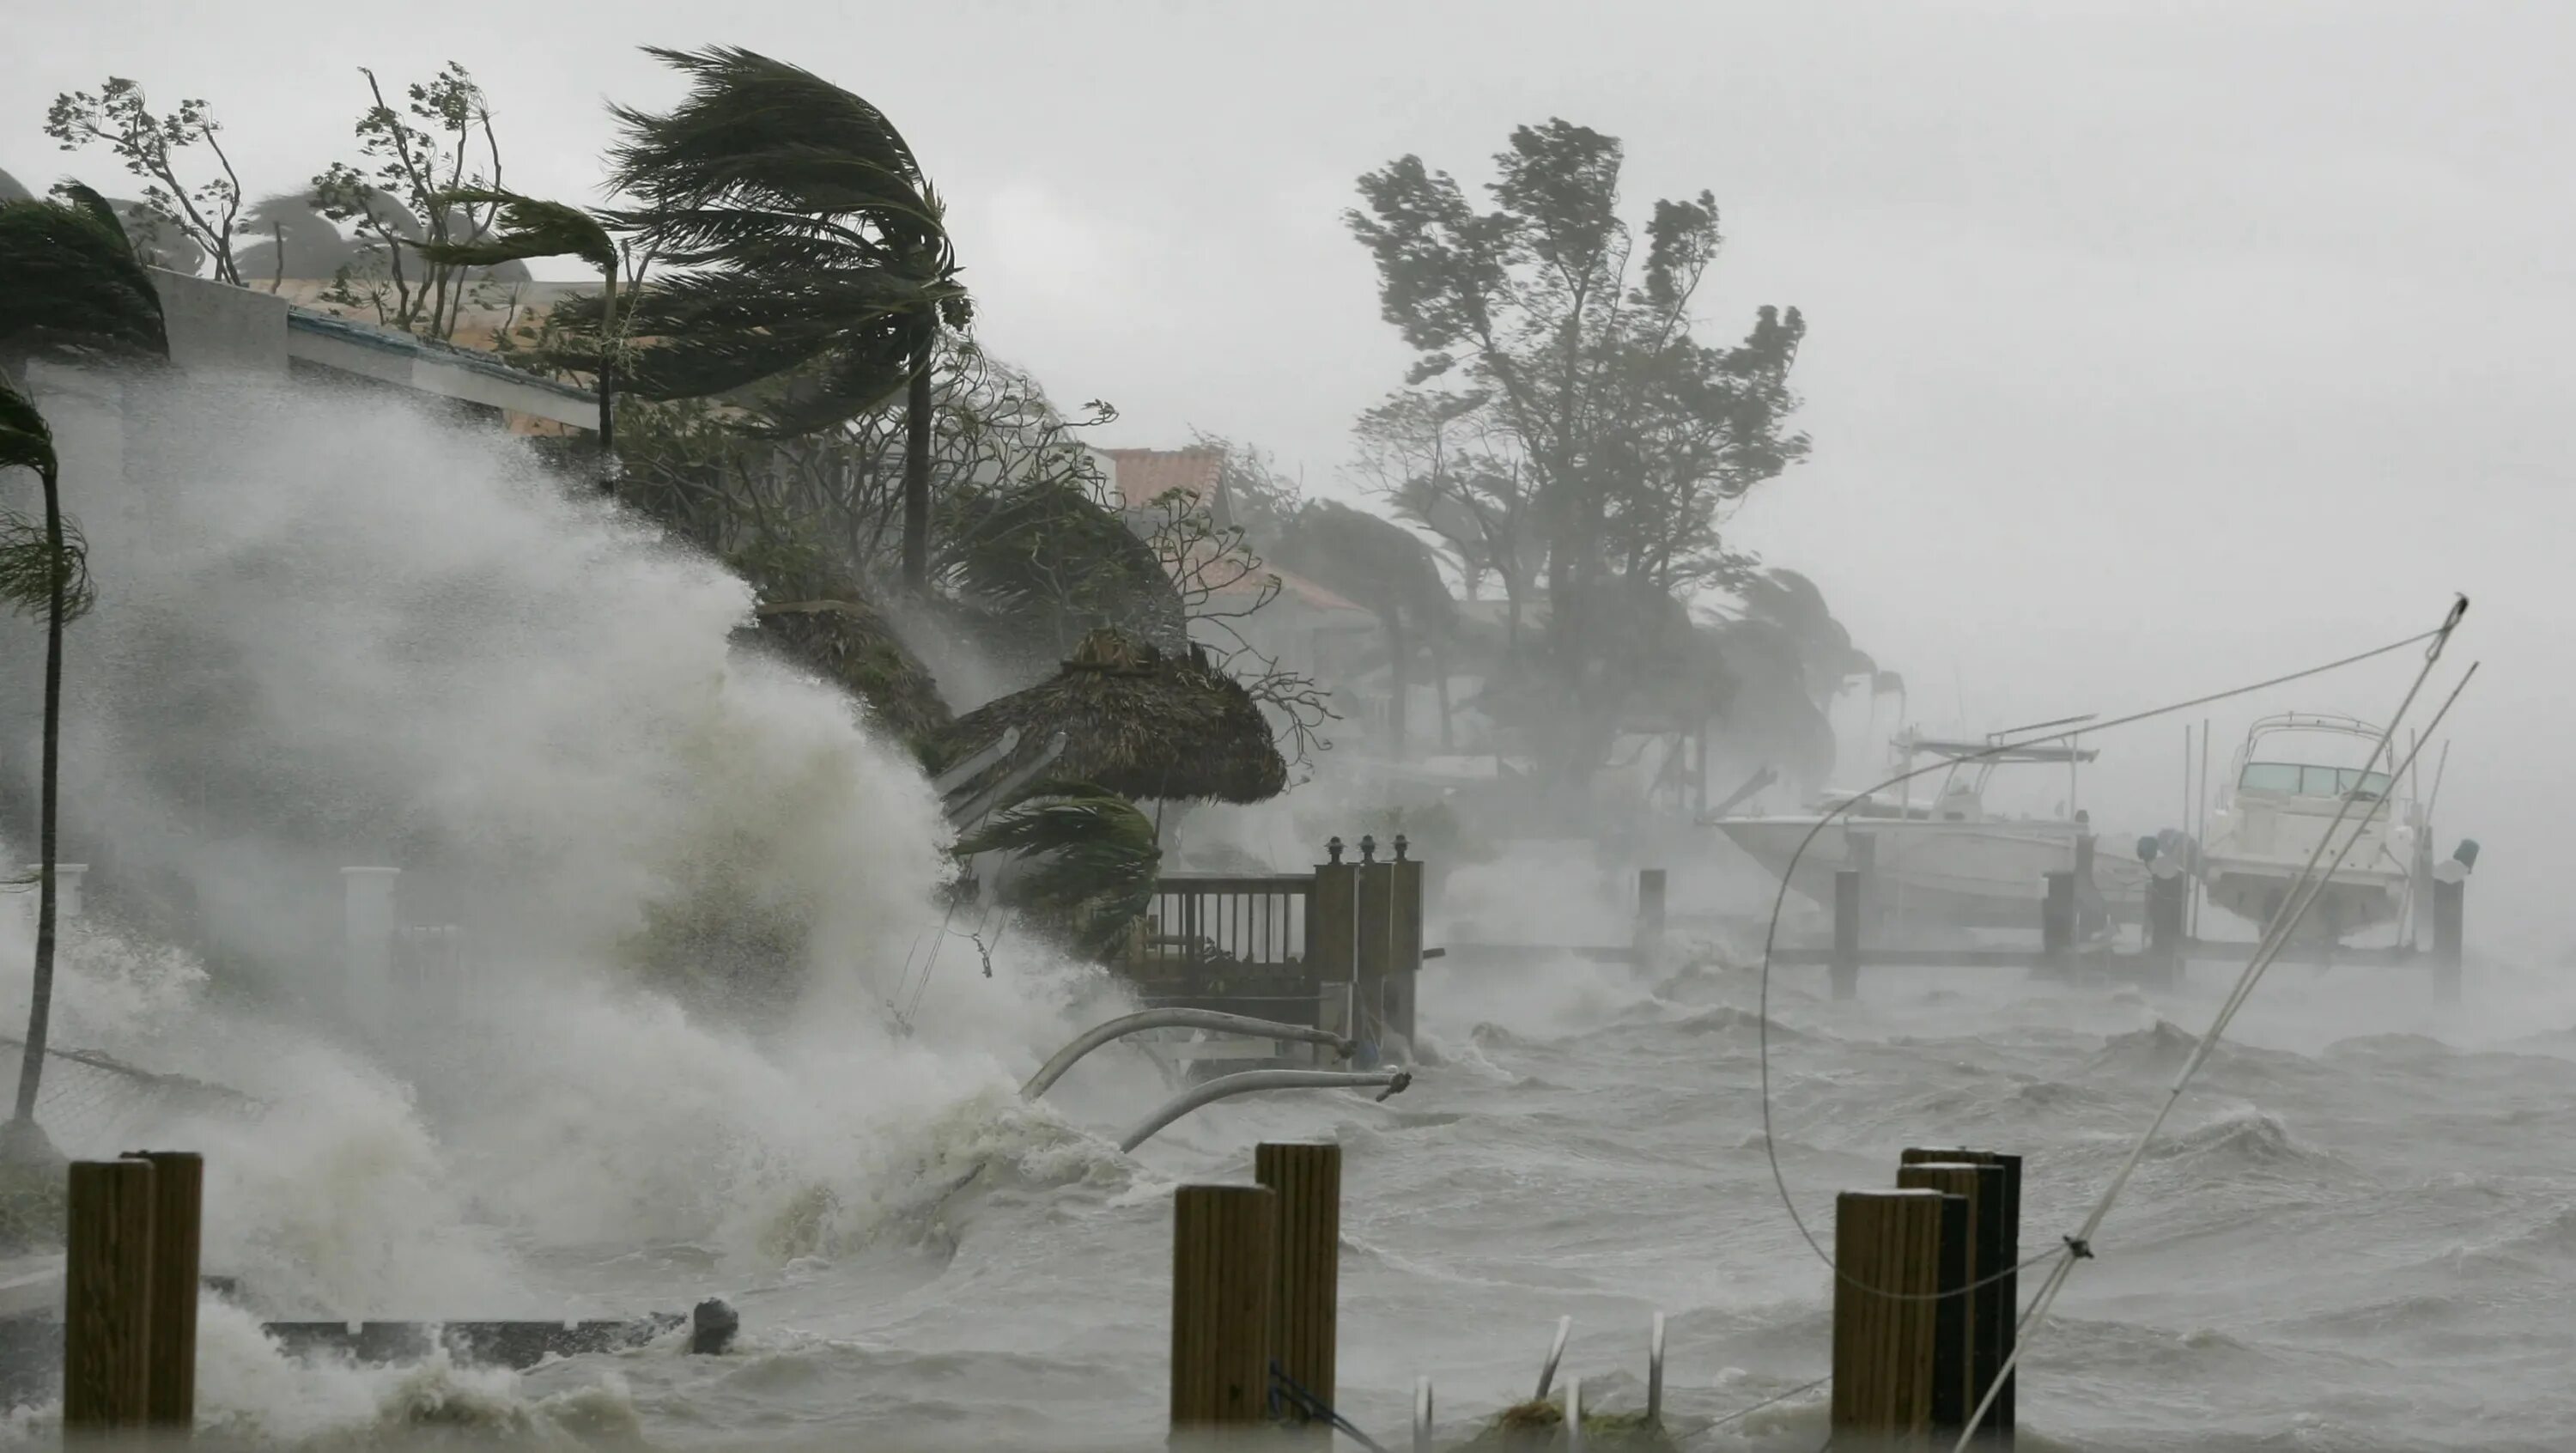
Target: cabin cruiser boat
(2283, 793)
(1952, 859)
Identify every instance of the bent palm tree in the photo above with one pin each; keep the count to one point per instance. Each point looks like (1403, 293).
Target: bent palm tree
(1093, 861)
(813, 250)
(69, 284)
(526, 228)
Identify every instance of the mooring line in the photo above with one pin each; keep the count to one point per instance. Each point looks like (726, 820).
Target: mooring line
(2436, 637)
(2079, 1246)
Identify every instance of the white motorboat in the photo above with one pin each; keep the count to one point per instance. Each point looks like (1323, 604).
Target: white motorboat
(2293, 777)
(1952, 860)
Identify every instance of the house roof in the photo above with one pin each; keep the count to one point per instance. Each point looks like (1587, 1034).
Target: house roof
(1146, 475)
(1142, 476)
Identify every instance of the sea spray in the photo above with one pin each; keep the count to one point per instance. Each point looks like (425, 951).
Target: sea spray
(339, 631)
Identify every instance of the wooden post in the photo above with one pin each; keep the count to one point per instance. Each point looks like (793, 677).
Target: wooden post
(2450, 937)
(1860, 854)
(2167, 900)
(1969, 1326)
(1223, 1242)
(1403, 887)
(1846, 966)
(1995, 1309)
(107, 1297)
(2088, 890)
(2057, 921)
(1887, 1248)
(178, 1205)
(1305, 1305)
(1650, 908)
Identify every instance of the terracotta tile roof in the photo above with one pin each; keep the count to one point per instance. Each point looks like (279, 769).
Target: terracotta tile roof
(1146, 475)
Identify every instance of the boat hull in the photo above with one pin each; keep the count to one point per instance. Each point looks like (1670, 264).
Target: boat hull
(1970, 874)
(2258, 890)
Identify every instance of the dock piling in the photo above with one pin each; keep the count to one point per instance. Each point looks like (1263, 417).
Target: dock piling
(107, 1298)
(1993, 1308)
(1650, 910)
(1966, 1326)
(2449, 937)
(1846, 964)
(178, 1207)
(1224, 1240)
(1887, 1248)
(2168, 890)
(1306, 1299)
(2057, 921)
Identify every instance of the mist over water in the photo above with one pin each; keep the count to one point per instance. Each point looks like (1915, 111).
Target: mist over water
(336, 633)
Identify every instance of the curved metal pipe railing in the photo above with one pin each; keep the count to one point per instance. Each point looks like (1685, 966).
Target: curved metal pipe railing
(1224, 1023)
(1228, 1086)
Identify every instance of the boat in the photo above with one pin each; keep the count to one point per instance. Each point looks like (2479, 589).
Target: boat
(1951, 860)
(2294, 775)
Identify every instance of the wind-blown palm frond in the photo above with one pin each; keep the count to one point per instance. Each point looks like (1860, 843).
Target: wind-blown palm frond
(761, 128)
(527, 227)
(805, 239)
(1095, 865)
(69, 281)
(27, 582)
(25, 440)
(26, 568)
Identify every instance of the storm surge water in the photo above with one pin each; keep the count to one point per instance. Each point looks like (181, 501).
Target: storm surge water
(335, 631)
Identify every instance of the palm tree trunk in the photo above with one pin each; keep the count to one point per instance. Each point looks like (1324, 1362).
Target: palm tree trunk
(41, 997)
(916, 468)
(608, 465)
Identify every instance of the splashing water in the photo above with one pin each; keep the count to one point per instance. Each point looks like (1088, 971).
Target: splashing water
(335, 631)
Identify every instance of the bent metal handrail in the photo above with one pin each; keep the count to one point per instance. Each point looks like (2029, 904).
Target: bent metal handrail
(1227, 1086)
(1053, 1070)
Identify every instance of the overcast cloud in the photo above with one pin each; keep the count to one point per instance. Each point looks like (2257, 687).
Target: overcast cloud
(2151, 345)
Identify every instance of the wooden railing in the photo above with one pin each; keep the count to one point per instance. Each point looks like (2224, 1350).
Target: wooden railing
(1198, 923)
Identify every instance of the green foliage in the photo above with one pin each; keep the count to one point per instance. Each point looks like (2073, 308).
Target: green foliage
(1560, 424)
(69, 281)
(25, 440)
(1092, 861)
(118, 116)
(528, 227)
(28, 562)
(811, 249)
(417, 163)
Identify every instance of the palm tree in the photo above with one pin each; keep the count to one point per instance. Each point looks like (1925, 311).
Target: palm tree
(813, 252)
(527, 227)
(1093, 861)
(69, 284)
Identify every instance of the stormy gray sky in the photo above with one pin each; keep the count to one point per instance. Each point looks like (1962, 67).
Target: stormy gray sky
(2151, 345)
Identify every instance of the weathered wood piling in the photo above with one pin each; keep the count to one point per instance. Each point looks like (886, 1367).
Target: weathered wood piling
(107, 1298)
(1306, 1302)
(1923, 1301)
(1224, 1248)
(178, 1205)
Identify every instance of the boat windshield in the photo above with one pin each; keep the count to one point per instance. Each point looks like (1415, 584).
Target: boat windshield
(2300, 780)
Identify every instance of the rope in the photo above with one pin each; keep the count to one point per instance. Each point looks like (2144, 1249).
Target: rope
(1315, 1408)
(1741, 1414)
(2079, 1245)
(1770, 939)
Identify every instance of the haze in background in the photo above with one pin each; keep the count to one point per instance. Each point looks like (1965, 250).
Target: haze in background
(2148, 350)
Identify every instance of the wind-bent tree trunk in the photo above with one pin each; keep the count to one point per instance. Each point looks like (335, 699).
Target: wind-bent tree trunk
(530, 228)
(40, 1010)
(916, 465)
(69, 285)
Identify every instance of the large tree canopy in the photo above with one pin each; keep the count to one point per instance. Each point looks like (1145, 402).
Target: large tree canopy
(1561, 422)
